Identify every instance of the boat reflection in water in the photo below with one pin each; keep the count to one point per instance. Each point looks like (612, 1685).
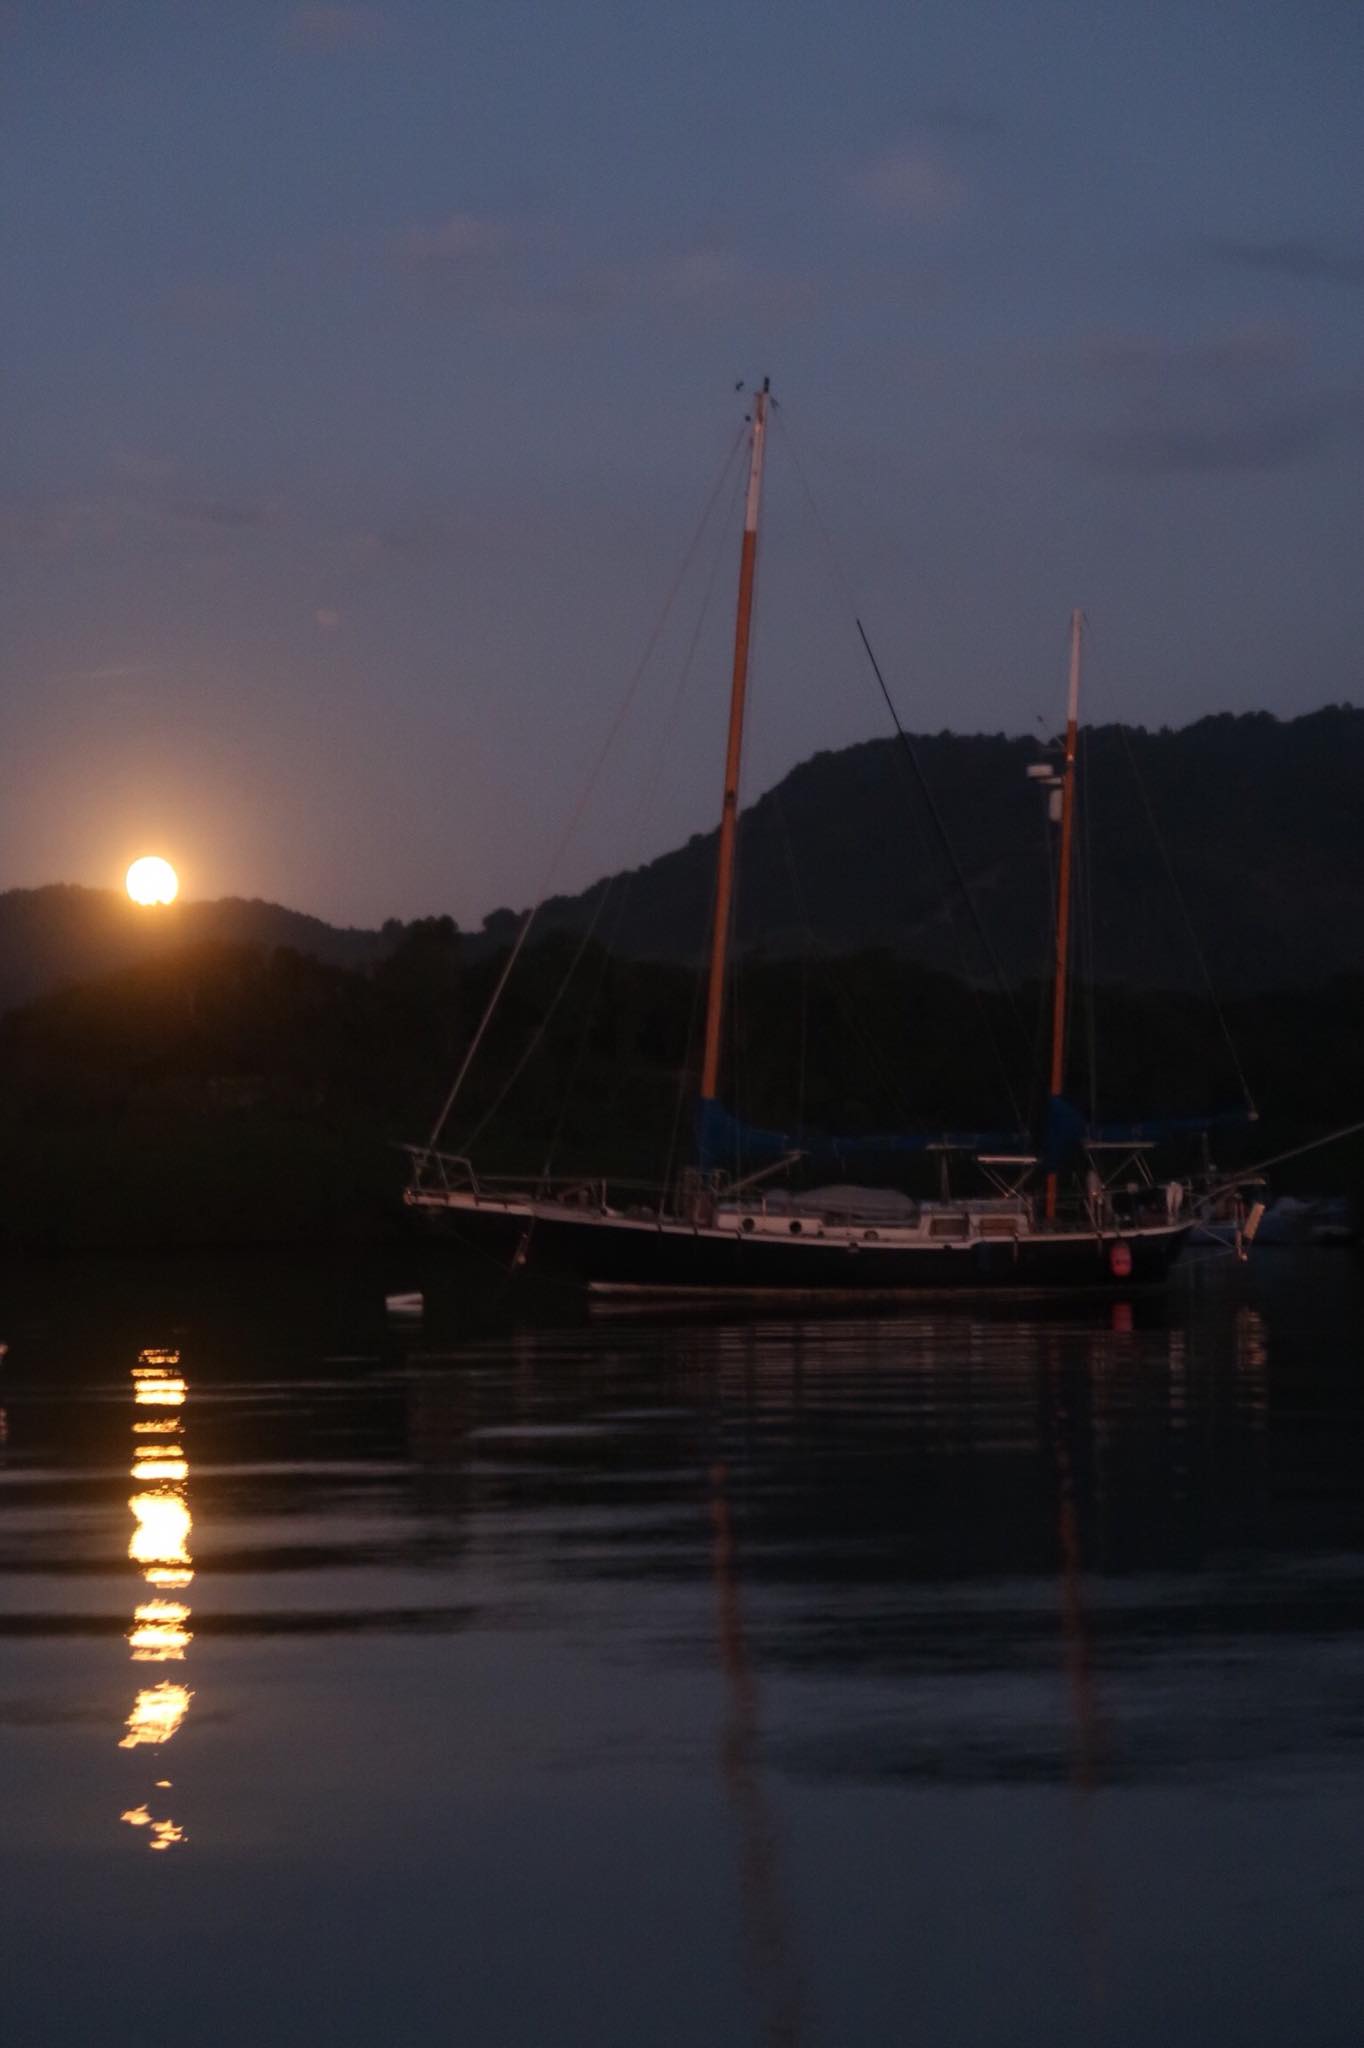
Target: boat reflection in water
(159, 1544)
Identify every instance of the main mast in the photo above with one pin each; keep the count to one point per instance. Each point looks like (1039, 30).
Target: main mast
(1063, 887)
(729, 815)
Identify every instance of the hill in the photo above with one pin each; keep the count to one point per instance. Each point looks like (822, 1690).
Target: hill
(1242, 836)
(1246, 831)
(59, 935)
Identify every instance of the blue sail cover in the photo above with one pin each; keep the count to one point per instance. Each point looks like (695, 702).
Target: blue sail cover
(721, 1139)
(1067, 1133)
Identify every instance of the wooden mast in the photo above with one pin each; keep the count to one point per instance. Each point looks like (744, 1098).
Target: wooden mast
(724, 873)
(1063, 888)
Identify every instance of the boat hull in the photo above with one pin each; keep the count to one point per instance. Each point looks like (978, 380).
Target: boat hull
(620, 1255)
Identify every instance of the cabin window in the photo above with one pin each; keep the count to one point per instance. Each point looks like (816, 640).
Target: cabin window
(947, 1226)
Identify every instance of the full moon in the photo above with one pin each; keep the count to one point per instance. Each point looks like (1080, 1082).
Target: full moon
(152, 880)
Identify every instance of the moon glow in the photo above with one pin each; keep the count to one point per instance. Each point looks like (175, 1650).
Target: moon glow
(152, 880)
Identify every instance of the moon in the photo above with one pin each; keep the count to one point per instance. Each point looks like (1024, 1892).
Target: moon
(152, 880)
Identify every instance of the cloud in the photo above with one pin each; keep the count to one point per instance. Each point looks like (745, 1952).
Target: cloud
(1237, 401)
(522, 276)
(960, 117)
(140, 504)
(709, 279)
(232, 513)
(1303, 262)
(421, 533)
(915, 183)
(207, 304)
(1139, 359)
(117, 672)
(336, 28)
(450, 243)
(141, 465)
(1275, 439)
(55, 522)
(466, 261)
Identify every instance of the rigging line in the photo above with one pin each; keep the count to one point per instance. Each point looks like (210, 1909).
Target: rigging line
(1218, 1012)
(944, 838)
(802, 1050)
(570, 1087)
(546, 1018)
(576, 818)
(1087, 923)
(803, 913)
(963, 886)
(1037, 1064)
(1281, 1158)
(645, 803)
(604, 898)
(684, 1076)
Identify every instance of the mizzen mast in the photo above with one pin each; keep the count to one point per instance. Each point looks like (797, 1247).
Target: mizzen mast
(729, 815)
(1063, 887)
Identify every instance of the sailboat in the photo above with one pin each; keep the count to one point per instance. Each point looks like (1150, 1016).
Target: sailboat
(1078, 1207)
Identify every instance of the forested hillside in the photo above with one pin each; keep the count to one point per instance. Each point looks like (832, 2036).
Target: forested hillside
(1237, 838)
(1240, 837)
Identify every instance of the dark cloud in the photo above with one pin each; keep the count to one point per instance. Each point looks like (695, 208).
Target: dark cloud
(55, 521)
(1236, 401)
(1272, 441)
(1304, 262)
(103, 516)
(960, 117)
(1241, 356)
(417, 534)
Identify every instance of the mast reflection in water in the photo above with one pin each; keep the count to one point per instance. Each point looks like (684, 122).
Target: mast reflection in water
(159, 1544)
(985, 1675)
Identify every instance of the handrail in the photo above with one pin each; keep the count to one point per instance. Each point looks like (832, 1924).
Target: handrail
(451, 1171)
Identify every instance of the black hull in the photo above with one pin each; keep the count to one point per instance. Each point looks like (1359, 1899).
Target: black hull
(607, 1256)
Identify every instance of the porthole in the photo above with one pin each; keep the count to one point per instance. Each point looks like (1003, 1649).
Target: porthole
(747, 1223)
(795, 1230)
(871, 1236)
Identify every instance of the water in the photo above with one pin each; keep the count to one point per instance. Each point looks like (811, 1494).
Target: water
(964, 1678)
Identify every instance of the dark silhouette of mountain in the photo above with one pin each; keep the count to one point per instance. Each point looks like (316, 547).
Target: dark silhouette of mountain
(63, 934)
(1242, 836)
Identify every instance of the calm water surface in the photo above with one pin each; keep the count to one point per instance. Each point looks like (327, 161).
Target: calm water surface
(959, 1678)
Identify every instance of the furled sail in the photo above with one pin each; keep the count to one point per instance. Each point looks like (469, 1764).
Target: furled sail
(721, 1139)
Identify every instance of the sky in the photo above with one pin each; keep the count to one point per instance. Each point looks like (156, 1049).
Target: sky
(368, 372)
